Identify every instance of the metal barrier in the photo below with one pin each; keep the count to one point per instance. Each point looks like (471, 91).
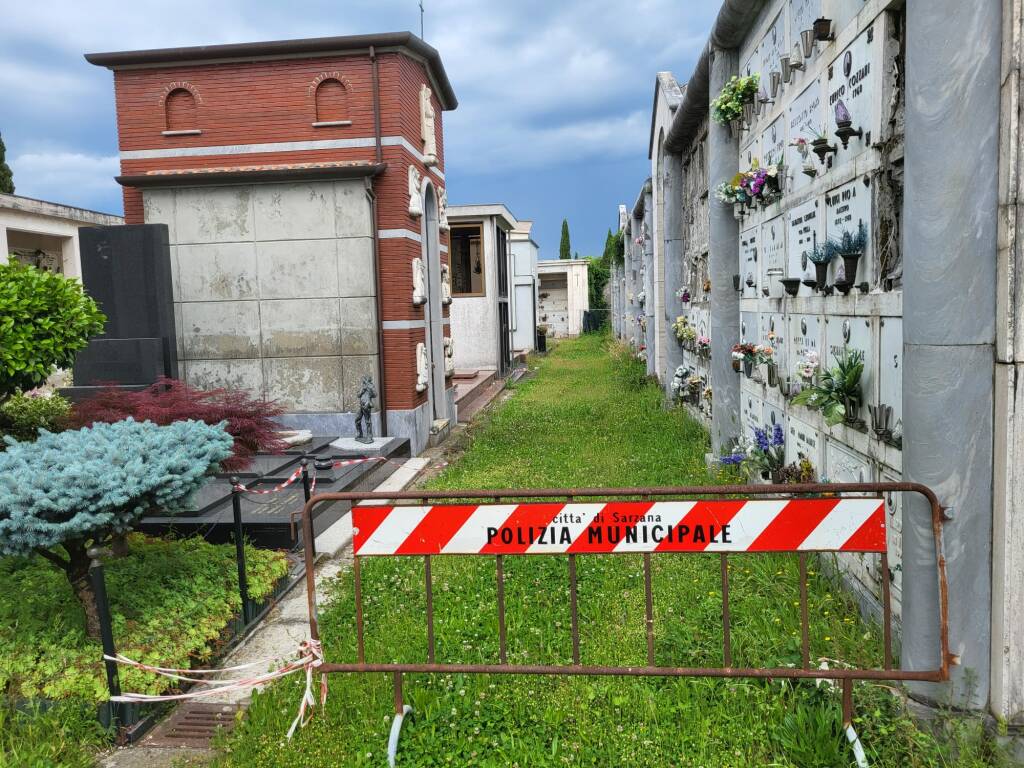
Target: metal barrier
(729, 520)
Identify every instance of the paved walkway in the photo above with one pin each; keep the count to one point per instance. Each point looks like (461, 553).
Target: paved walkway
(277, 637)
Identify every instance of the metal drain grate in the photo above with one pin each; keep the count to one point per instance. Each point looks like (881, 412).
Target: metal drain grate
(193, 724)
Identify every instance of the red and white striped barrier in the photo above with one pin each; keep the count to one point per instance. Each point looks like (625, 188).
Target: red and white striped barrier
(725, 525)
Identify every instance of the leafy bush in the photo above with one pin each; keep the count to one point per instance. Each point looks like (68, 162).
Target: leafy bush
(96, 484)
(170, 602)
(836, 393)
(728, 105)
(248, 420)
(45, 318)
(22, 416)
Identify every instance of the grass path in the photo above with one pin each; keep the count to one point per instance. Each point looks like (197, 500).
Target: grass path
(588, 419)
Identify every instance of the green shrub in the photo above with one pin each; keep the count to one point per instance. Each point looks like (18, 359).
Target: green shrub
(22, 416)
(170, 602)
(45, 318)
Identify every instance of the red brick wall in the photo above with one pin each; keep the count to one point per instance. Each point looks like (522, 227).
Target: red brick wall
(270, 101)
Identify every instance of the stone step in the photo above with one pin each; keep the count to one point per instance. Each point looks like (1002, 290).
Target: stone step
(439, 432)
(468, 391)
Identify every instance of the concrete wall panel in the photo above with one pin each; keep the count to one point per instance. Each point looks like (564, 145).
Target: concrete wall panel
(305, 384)
(300, 327)
(293, 268)
(216, 272)
(294, 211)
(213, 215)
(221, 330)
(355, 267)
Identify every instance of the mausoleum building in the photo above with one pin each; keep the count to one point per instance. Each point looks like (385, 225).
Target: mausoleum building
(302, 185)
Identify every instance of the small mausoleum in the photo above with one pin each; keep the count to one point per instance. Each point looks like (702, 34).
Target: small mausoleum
(481, 304)
(303, 190)
(564, 296)
(524, 287)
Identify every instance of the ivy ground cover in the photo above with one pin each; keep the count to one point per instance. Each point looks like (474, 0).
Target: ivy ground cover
(171, 602)
(589, 418)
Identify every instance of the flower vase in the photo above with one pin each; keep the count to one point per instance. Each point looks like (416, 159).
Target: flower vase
(821, 275)
(850, 261)
(772, 374)
(777, 477)
(736, 365)
(748, 368)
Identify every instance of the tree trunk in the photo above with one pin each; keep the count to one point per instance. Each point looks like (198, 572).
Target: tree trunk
(78, 574)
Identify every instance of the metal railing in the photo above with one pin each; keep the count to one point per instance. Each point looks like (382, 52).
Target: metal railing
(483, 500)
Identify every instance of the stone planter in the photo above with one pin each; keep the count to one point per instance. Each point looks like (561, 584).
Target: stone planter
(791, 284)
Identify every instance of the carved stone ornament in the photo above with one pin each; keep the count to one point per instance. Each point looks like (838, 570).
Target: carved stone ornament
(422, 368)
(419, 283)
(442, 209)
(415, 198)
(427, 127)
(449, 357)
(446, 286)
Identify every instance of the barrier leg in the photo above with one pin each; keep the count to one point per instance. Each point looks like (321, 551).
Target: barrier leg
(851, 734)
(401, 710)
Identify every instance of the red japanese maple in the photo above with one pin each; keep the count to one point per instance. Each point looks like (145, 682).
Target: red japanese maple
(250, 421)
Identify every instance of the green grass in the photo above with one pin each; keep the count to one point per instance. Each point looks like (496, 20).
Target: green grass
(589, 418)
(170, 603)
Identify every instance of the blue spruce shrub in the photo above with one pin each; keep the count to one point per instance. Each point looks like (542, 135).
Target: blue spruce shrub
(80, 488)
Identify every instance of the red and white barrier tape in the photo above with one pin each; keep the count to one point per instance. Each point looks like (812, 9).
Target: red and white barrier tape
(291, 479)
(310, 657)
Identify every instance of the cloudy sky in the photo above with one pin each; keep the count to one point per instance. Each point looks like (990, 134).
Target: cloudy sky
(554, 97)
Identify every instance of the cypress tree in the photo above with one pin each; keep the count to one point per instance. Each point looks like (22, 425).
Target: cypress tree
(6, 177)
(564, 251)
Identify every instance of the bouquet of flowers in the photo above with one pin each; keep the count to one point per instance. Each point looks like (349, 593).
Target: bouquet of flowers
(728, 105)
(703, 344)
(764, 354)
(683, 294)
(683, 330)
(808, 365)
(743, 352)
(763, 456)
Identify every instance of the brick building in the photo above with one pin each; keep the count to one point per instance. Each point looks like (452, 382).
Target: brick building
(302, 183)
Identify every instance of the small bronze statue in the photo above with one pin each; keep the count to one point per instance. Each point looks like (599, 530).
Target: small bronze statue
(366, 396)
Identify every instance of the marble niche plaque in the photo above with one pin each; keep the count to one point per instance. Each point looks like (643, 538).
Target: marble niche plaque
(804, 337)
(749, 272)
(805, 119)
(775, 323)
(804, 441)
(846, 208)
(853, 89)
(804, 232)
(854, 333)
(890, 368)
(773, 257)
(751, 413)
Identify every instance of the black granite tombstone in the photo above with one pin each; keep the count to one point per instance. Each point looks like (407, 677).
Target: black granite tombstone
(127, 270)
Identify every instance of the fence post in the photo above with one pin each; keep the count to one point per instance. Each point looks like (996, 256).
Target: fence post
(243, 581)
(305, 493)
(99, 588)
